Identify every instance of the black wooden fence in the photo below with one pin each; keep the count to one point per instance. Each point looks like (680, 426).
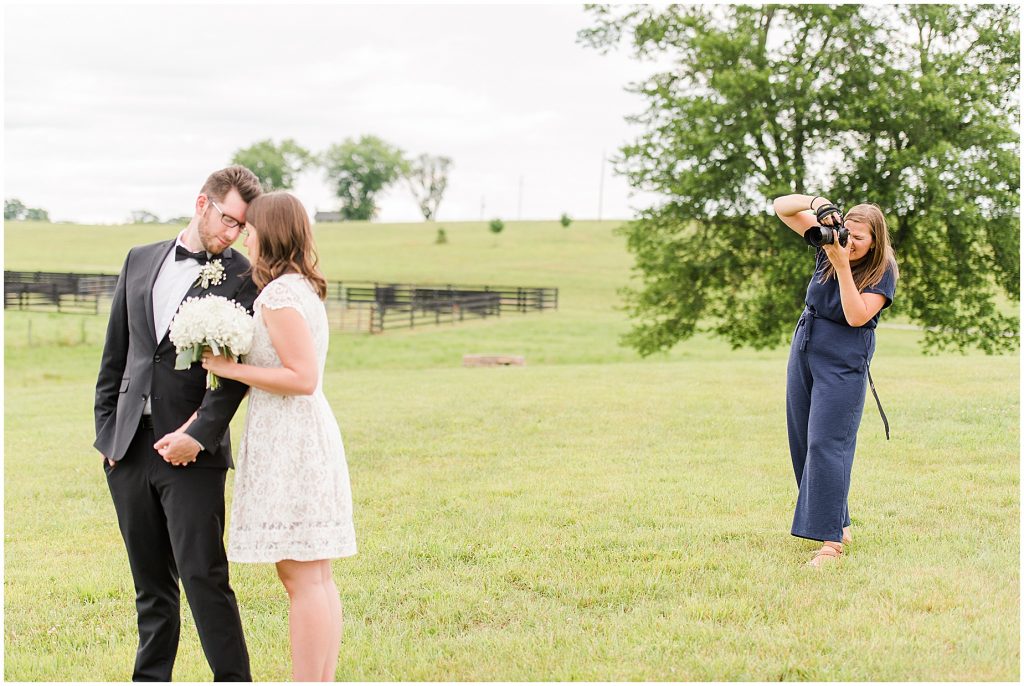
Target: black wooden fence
(57, 291)
(351, 306)
(376, 307)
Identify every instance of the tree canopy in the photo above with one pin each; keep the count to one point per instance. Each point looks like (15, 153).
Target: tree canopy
(276, 166)
(360, 170)
(911, 107)
(16, 209)
(143, 217)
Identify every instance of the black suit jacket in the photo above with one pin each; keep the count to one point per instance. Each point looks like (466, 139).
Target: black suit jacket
(136, 365)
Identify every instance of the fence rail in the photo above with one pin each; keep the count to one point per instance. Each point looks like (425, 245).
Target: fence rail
(372, 307)
(57, 291)
(376, 307)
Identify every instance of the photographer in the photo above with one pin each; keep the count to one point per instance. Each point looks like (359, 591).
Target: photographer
(854, 279)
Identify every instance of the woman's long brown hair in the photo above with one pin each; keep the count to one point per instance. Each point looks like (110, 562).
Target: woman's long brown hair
(285, 240)
(869, 271)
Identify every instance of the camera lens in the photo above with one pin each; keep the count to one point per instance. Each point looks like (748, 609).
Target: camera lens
(820, 235)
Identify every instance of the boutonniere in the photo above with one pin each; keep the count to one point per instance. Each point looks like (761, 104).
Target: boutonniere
(211, 274)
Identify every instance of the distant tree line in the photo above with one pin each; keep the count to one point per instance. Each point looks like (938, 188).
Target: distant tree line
(15, 209)
(359, 170)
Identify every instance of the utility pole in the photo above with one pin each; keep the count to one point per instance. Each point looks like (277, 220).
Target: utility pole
(600, 189)
(482, 206)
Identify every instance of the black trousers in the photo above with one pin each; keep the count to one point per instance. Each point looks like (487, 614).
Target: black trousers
(172, 522)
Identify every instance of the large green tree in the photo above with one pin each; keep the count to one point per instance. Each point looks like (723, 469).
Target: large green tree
(360, 170)
(276, 166)
(912, 107)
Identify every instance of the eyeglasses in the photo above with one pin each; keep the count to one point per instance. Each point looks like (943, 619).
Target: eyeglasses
(226, 219)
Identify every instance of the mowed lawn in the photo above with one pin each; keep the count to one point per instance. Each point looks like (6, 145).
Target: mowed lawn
(592, 516)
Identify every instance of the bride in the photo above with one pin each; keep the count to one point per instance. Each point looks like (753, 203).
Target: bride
(292, 502)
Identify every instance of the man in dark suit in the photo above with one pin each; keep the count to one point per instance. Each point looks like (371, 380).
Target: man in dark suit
(164, 436)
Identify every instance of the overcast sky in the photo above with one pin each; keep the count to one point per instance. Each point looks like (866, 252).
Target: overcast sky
(115, 108)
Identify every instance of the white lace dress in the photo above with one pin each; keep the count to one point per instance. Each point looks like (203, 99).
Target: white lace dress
(292, 499)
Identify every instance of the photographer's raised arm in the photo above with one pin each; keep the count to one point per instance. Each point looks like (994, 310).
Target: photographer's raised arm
(858, 308)
(797, 211)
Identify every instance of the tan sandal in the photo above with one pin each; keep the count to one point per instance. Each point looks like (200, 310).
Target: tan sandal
(847, 538)
(829, 551)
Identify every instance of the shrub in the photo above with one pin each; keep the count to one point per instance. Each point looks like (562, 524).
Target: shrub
(566, 220)
(497, 225)
(442, 237)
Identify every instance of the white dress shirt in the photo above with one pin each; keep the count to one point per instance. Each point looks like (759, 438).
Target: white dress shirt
(174, 281)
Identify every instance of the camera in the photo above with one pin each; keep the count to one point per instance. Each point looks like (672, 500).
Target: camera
(827, 235)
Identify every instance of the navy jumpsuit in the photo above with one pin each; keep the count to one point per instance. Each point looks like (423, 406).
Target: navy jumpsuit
(825, 386)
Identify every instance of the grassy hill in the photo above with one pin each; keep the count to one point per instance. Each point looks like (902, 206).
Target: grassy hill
(592, 516)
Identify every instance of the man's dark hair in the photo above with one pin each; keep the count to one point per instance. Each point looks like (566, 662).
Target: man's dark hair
(220, 183)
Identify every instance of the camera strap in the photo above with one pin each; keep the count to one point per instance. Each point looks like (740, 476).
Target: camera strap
(878, 402)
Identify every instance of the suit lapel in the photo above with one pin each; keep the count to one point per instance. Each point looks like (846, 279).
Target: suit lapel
(159, 255)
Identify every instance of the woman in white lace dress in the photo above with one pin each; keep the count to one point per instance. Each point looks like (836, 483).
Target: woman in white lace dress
(292, 503)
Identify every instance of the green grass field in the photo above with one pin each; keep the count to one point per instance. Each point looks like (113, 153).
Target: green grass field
(592, 516)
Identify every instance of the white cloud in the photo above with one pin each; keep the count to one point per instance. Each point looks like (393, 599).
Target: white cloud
(119, 107)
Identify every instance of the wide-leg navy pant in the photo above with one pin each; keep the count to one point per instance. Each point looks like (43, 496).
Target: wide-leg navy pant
(825, 386)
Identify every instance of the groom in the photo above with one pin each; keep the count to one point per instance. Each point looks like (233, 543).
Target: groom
(170, 504)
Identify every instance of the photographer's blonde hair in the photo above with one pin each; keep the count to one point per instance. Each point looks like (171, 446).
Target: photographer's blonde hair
(870, 270)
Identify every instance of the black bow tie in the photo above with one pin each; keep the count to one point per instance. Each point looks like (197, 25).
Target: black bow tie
(182, 253)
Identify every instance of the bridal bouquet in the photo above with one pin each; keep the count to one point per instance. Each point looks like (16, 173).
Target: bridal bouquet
(211, 322)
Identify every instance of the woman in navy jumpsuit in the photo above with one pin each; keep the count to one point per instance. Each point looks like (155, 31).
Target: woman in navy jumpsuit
(828, 361)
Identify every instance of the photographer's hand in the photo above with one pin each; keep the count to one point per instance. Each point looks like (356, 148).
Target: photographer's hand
(829, 215)
(838, 255)
(858, 308)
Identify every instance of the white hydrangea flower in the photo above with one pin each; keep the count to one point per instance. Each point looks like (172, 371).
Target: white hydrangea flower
(211, 322)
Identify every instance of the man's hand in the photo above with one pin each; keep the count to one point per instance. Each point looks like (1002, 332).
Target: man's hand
(177, 448)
